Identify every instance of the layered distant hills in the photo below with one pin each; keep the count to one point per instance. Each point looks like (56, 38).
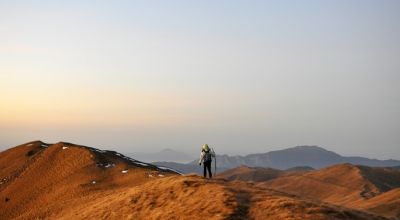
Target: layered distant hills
(374, 189)
(300, 156)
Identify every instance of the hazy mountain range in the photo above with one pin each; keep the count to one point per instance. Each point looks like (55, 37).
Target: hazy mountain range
(308, 156)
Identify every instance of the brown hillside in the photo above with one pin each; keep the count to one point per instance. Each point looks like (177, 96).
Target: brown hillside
(340, 184)
(35, 176)
(256, 174)
(66, 181)
(387, 204)
(191, 197)
(345, 184)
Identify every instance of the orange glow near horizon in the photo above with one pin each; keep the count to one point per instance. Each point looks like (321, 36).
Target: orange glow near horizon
(80, 107)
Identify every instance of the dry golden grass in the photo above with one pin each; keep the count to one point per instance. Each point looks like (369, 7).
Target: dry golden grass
(346, 185)
(387, 204)
(56, 182)
(42, 182)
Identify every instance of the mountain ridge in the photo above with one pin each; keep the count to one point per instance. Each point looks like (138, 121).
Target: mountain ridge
(300, 156)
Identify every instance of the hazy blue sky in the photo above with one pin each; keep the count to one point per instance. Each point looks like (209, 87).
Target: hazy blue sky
(243, 76)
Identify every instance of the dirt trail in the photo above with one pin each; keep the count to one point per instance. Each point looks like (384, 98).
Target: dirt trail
(243, 199)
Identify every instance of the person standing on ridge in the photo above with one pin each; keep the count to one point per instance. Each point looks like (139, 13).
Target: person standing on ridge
(206, 157)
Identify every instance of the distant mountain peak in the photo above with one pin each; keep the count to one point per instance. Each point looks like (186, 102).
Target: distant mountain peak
(314, 148)
(308, 150)
(308, 147)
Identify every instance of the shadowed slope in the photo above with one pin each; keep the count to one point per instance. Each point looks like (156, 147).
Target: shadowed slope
(256, 174)
(259, 174)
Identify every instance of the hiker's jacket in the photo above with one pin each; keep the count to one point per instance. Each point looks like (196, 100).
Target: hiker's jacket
(206, 156)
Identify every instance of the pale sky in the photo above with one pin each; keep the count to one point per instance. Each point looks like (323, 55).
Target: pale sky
(243, 76)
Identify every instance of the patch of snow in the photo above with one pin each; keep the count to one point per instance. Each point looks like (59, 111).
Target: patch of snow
(124, 171)
(165, 168)
(93, 182)
(169, 169)
(43, 145)
(150, 175)
(29, 145)
(107, 165)
(64, 148)
(160, 175)
(142, 164)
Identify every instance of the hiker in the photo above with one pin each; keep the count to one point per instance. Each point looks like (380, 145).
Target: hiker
(206, 157)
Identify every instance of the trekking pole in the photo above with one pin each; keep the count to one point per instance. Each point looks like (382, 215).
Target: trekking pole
(215, 162)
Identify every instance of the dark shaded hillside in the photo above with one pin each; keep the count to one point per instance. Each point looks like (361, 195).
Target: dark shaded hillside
(395, 167)
(260, 174)
(300, 168)
(256, 174)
